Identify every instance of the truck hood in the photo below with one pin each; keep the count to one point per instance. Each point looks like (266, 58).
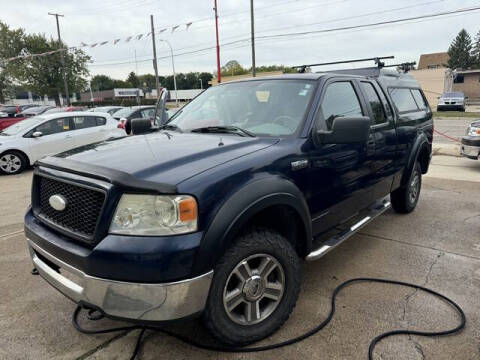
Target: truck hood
(166, 157)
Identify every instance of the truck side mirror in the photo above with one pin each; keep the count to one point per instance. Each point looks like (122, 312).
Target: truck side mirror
(346, 130)
(138, 126)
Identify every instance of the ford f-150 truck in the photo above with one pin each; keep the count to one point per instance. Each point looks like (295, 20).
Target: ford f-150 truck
(213, 211)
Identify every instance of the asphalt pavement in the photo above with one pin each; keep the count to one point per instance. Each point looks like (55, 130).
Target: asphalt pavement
(438, 246)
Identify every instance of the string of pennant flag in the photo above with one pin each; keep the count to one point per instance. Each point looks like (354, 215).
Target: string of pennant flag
(24, 55)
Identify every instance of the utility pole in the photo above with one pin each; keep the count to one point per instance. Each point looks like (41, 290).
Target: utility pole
(201, 84)
(136, 64)
(252, 25)
(157, 84)
(62, 59)
(219, 75)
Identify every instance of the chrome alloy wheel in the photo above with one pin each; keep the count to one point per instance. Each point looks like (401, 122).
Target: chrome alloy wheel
(414, 188)
(254, 289)
(10, 163)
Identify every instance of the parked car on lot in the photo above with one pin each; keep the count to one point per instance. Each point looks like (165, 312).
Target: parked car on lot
(7, 111)
(213, 211)
(34, 111)
(106, 109)
(452, 101)
(34, 138)
(471, 141)
(64, 109)
(29, 112)
(133, 112)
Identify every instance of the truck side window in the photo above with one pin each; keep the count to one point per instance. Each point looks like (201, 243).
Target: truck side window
(403, 99)
(340, 100)
(375, 103)
(419, 99)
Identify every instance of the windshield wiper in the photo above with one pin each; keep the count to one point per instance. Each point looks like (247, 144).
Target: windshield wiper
(224, 129)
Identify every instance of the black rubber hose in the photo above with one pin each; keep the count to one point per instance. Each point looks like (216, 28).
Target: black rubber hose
(294, 340)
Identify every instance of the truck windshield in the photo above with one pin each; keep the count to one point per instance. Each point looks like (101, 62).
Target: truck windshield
(261, 107)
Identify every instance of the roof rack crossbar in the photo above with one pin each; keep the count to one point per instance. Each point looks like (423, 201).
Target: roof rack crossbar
(406, 66)
(378, 62)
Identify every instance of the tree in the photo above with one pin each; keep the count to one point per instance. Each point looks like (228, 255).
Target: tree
(460, 51)
(205, 77)
(132, 79)
(11, 45)
(476, 50)
(120, 84)
(232, 68)
(101, 82)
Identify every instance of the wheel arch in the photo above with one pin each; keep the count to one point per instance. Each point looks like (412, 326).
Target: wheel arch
(421, 151)
(272, 202)
(21, 152)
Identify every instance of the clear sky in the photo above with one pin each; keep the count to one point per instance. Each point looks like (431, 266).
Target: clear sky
(91, 21)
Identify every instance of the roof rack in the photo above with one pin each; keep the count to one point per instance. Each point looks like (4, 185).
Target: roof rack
(378, 62)
(406, 66)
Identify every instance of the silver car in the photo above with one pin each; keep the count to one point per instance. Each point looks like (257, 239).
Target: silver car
(471, 141)
(452, 101)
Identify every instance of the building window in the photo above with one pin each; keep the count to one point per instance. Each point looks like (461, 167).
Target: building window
(459, 79)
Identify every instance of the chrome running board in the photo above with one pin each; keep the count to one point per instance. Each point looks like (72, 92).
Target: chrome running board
(377, 209)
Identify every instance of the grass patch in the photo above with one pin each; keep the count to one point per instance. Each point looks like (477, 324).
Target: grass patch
(455, 114)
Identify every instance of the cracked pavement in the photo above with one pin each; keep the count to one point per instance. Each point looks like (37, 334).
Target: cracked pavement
(438, 245)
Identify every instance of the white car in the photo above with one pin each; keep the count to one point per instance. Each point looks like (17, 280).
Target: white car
(29, 140)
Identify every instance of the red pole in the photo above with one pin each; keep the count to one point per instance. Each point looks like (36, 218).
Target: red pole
(219, 75)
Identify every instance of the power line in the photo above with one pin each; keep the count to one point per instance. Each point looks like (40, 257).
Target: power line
(303, 33)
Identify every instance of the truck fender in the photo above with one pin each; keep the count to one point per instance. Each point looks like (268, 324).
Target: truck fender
(240, 207)
(420, 144)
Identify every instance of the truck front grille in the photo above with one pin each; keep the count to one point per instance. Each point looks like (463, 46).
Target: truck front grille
(83, 207)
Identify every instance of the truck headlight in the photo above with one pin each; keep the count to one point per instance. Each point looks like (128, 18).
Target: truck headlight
(155, 215)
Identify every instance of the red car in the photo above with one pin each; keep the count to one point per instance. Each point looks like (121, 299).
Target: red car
(31, 111)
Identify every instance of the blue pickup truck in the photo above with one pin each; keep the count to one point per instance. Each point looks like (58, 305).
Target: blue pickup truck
(212, 212)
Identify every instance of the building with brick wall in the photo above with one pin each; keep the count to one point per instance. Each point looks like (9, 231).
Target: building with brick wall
(468, 82)
(433, 61)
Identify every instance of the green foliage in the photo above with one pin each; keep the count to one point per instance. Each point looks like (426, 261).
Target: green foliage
(11, 44)
(233, 68)
(460, 51)
(101, 82)
(270, 68)
(40, 74)
(132, 80)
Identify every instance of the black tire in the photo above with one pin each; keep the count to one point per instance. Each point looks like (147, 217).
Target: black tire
(404, 199)
(257, 242)
(18, 162)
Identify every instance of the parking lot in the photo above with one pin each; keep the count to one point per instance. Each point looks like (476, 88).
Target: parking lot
(438, 246)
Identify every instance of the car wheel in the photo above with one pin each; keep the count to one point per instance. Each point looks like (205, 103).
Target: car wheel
(405, 199)
(12, 162)
(254, 289)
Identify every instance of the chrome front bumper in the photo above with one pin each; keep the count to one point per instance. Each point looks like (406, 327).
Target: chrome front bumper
(135, 301)
(471, 152)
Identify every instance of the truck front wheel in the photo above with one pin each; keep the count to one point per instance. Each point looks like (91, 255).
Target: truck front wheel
(255, 288)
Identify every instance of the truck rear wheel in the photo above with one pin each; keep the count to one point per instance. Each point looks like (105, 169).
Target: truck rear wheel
(405, 199)
(255, 288)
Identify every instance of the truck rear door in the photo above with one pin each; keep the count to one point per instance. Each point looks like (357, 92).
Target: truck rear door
(384, 135)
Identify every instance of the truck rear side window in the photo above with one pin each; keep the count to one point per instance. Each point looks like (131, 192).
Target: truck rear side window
(403, 99)
(419, 99)
(375, 103)
(340, 100)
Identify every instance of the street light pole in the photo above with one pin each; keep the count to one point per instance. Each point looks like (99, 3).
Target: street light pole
(62, 58)
(173, 66)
